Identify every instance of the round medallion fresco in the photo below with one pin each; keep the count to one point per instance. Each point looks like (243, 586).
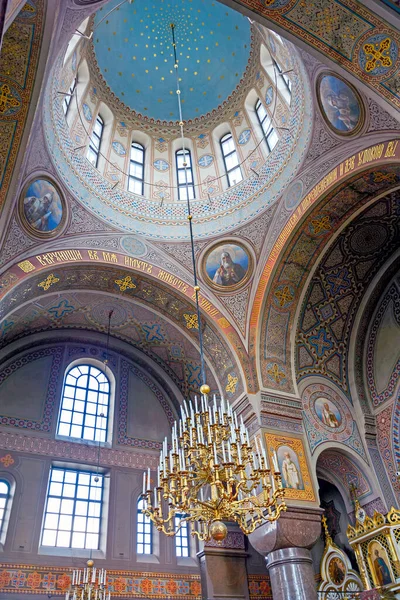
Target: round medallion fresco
(327, 412)
(227, 265)
(42, 208)
(135, 55)
(340, 104)
(293, 195)
(337, 570)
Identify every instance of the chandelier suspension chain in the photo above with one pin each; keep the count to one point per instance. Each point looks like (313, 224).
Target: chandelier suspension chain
(189, 211)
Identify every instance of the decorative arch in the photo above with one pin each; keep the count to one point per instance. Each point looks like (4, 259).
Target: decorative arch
(289, 264)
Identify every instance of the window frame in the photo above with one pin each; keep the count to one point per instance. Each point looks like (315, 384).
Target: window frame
(68, 97)
(92, 146)
(225, 138)
(142, 519)
(108, 418)
(62, 550)
(178, 536)
(285, 78)
(141, 148)
(187, 185)
(268, 131)
(6, 508)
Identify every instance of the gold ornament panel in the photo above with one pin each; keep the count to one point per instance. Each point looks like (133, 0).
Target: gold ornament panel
(293, 465)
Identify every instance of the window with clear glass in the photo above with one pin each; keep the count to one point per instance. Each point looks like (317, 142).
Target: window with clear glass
(144, 534)
(286, 88)
(181, 537)
(231, 161)
(136, 169)
(85, 404)
(269, 133)
(68, 97)
(73, 509)
(184, 175)
(95, 141)
(4, 498)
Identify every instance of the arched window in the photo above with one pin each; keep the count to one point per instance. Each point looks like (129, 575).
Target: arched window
(4, 498)
(136, 169)
(85, 404)
(184, 174)
(231, 161)
(181, 537)
(284, 83)
(95, 141)
(68, 96)
(144, 533)
(264, 119)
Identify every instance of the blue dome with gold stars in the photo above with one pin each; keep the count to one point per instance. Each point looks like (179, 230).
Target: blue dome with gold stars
(134, 52)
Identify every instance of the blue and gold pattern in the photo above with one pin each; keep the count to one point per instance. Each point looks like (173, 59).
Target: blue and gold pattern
(134, 52)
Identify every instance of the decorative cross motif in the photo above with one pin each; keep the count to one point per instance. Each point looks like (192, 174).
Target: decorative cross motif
(191, 321)
(7, 460)
(7, 99)
(379, 55)
(339, 280)
(232, 383)
(125, 284)
(321, 224)
(320, 343)
(48, 282)
(284, 296)
(275, 373)
(379, 177)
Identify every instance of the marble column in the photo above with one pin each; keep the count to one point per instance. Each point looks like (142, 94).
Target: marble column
(286, 546)
(223, 569)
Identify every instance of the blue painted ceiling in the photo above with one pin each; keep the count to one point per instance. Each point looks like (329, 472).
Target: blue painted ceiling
(133, 47)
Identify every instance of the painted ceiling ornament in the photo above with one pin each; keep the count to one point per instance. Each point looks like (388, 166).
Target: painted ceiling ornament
(42, 209)
(378, 54)
(340, 104)
(227, 265)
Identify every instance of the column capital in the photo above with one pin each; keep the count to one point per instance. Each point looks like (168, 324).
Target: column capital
(296, 528)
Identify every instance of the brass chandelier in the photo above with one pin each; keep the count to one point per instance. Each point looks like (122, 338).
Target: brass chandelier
(210, 474)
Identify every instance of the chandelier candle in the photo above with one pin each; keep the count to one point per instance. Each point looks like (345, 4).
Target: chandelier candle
(211, 474)
(88, 584)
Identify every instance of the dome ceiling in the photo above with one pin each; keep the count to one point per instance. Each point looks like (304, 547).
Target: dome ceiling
(134, 53)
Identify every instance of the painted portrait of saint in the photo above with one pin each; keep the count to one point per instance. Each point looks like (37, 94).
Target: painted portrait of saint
(227, 265)
(337, 570)
(289, 468)
(380, 564)
(328, 413)
(42, 208)
(340, 104)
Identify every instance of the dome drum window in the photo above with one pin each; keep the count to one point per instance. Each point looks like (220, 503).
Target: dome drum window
(136, 169)
(231, 161)
(68, 96)
(95, 142)
(184, 174)
(270, 135)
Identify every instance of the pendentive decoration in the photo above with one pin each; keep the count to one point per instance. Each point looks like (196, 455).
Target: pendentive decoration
(42, 208)
(340, 104)
(210, 473)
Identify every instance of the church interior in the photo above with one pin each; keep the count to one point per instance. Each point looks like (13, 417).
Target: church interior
(199, 299)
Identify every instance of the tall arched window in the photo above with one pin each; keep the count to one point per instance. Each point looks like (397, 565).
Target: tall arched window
(144, 533)
(136, 169)
(68, 97)
(231, 161)
(4, 498)
(184, 174)
(85, 403)
(182, 547)
(264, 119)
(284, 83)
(95, 141)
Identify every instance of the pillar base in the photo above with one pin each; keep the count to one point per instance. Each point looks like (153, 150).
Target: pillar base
(292, 575)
